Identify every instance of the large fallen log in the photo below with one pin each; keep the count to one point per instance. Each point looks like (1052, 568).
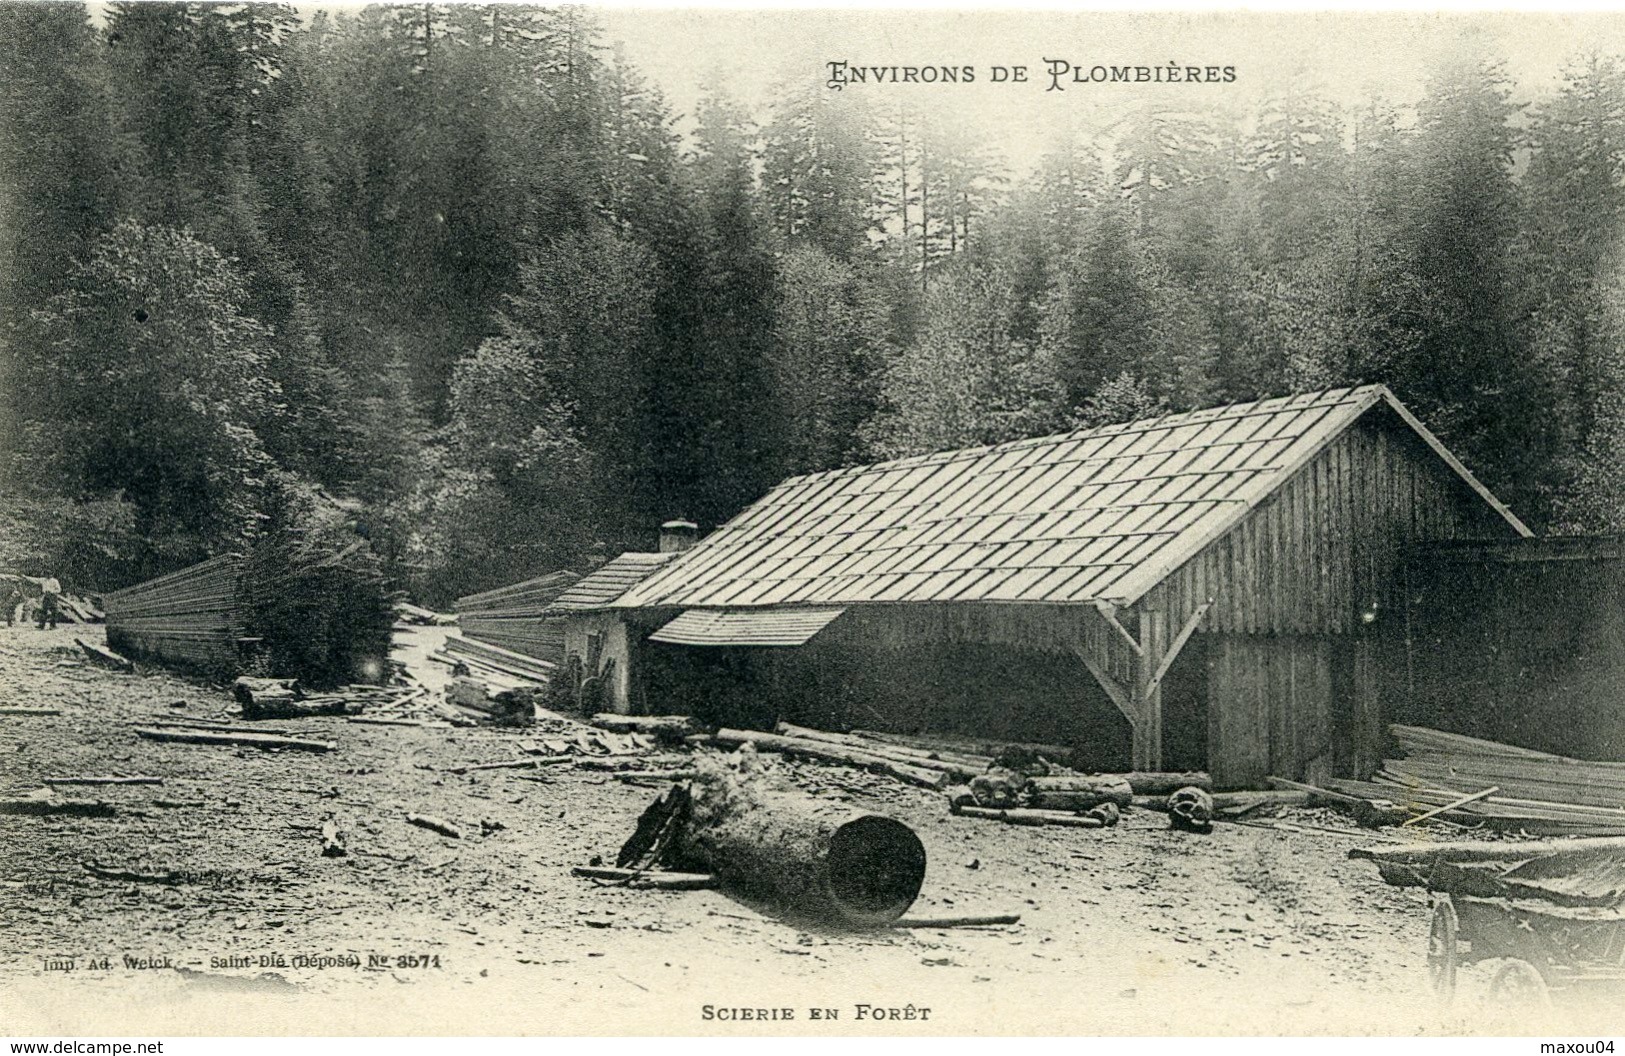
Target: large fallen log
(816, 859)
(918, 775)
(967, 746)
(106, 657)
(104, 781)
(29, 711)
(246, 740)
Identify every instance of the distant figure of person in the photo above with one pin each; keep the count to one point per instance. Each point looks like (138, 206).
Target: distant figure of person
(49, 600)
(10, 597)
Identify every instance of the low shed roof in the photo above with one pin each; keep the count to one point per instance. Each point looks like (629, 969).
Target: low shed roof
(598, 588)
(1098, 515)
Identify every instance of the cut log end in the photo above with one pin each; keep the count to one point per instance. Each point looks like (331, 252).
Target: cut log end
(876, 868)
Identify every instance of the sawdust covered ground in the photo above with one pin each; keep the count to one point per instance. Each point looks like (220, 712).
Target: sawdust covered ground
(1125, 931)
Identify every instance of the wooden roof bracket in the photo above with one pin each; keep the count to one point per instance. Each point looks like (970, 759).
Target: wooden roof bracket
(1109, 613)
(1178, 644)
(1114, 689)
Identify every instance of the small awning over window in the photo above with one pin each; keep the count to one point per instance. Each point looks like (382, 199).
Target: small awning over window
(745, 626)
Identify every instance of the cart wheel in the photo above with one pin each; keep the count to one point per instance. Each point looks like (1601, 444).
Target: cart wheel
(1520, 986)
(1442, 954)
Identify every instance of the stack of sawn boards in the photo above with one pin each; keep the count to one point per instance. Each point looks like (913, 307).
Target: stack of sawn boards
(189, 617)
(1536, 792)
(511, 616)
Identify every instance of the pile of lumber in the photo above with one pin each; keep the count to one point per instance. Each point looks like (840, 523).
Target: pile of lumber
(512, 617)
(189, 618)
(500, 669)
(1499, 785)
(911, 765)
(989, 783)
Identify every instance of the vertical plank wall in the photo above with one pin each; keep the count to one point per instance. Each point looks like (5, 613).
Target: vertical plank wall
(1293, 585)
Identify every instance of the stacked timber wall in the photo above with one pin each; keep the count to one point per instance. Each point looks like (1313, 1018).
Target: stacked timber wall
(512, 616)
(188, 618)
(289, 608)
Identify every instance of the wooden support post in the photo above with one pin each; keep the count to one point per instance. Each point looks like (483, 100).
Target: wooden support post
(1148, 689)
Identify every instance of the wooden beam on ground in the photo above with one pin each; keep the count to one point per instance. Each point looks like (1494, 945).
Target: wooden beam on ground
(1179, 641)
(247, 740)
(647, 878)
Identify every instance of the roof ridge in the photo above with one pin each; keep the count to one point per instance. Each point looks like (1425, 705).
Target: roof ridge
(1345, 393)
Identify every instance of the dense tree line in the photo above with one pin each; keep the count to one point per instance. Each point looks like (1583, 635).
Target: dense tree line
(453, 268)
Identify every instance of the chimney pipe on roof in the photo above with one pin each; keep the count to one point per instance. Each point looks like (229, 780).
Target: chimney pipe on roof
(678, 535)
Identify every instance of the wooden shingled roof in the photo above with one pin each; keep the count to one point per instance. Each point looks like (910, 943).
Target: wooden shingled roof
(1096, 516)
(598, 588)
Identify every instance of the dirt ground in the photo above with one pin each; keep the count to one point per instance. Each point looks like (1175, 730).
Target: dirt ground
(1133, 930)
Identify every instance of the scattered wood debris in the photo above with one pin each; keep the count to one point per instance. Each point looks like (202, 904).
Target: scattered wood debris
(653, 878)
(416, 615)
(512, 764)
(1032, 816)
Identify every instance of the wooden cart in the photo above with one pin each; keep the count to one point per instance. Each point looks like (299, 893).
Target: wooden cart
(1553, 913)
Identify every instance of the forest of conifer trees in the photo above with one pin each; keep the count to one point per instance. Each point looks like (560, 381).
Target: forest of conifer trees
(462, 273)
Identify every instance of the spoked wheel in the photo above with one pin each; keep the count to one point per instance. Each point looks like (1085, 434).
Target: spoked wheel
(1443, 957)
(1519, 986)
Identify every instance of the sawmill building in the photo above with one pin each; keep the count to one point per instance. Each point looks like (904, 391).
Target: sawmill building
(1220, 589)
